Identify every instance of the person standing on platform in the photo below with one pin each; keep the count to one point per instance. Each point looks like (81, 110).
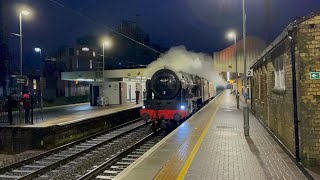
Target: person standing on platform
(26, 99)
(137, 96)
(144, 94)
(10, 105)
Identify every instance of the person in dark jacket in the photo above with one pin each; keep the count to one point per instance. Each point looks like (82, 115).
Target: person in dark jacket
(144, 94)
(137, 96)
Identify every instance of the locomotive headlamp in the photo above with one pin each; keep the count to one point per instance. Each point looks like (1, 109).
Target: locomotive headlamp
(182, 107)
(143, 107)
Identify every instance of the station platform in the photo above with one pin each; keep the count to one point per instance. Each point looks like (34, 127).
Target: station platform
(62, 125)
(211, 145)
(67, 114)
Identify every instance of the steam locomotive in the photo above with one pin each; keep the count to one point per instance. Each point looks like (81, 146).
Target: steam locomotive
(173, 96)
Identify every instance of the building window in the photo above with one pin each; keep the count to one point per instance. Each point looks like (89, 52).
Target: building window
(90, 64)
(34, 84)
(279, 74)
(94, 54)
(77, 63)
(71, 51)
(259, 82)
(85, 49)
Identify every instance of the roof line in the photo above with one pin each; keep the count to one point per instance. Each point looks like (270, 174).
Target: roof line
(283, 36)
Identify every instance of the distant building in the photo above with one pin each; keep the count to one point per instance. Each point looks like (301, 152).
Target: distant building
(231, 60)
(4, 51)
(225, 60)
(67, 59)
(129, 52)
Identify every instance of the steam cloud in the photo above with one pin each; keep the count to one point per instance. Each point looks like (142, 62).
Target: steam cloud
(180, 59)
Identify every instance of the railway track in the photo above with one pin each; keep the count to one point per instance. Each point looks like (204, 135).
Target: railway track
(116, 164)
(43, 163)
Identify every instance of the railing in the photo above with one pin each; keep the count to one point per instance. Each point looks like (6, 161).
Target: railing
(11, 111)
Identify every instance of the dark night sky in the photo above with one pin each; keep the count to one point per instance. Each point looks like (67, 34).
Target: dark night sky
(200, 25)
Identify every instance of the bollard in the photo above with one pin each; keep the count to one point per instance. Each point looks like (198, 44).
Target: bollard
(246, 120)
(237, 97)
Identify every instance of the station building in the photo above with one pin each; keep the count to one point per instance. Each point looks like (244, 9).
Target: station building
(118, 86)
(273, 88)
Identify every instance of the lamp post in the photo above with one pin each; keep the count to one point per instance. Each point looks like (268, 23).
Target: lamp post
(233, 36)
(105, 44)
(245, 108)
(38, 50)
(26, 13)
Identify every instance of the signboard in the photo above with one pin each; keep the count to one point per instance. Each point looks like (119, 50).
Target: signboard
(19, 79)
(314, 75)
(250, 73)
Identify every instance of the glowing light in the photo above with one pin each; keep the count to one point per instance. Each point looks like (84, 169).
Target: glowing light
(107, 43)
(85, 49)
(228, 76)
(37, 49)
(34, 84)
(25, 12)
(143, 107)
(88, 80)
(231, 35)
(182, 107)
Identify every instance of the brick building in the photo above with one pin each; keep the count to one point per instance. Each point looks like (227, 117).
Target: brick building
(273, 95)
(231, 57)
(4, 50)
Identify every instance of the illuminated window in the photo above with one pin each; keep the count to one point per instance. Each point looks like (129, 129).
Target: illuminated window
(85, 49)
(34, 84)
(259, 82)
(94, 54)
(90, 64)
(77, 63)
(279, 73)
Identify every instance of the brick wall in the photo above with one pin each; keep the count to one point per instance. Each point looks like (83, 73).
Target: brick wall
(274, 106)
(308, 56)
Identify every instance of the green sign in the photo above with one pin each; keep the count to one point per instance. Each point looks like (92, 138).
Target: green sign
(314, 75)
(18, 80)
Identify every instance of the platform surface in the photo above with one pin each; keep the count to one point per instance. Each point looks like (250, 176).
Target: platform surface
(67, 114)
(211, 145)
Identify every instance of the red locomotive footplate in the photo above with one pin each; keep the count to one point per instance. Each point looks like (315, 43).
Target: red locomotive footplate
(163, 113)
(151, 112)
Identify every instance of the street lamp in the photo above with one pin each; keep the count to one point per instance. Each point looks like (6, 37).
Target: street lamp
(233, 36)
(38, 50)
(106, 43)
(245, 108)
(25, 13)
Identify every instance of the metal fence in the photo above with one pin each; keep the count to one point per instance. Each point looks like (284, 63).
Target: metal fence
(12, 111)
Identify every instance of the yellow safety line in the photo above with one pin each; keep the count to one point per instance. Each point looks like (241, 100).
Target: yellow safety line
(186, 166)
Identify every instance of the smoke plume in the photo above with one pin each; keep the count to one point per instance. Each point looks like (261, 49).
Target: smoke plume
(180, 59)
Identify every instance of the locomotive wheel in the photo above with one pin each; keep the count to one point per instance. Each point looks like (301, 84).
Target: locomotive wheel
(154, 126)
(146, 122)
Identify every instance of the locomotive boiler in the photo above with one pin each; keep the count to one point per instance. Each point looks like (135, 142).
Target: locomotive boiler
(173, 96)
